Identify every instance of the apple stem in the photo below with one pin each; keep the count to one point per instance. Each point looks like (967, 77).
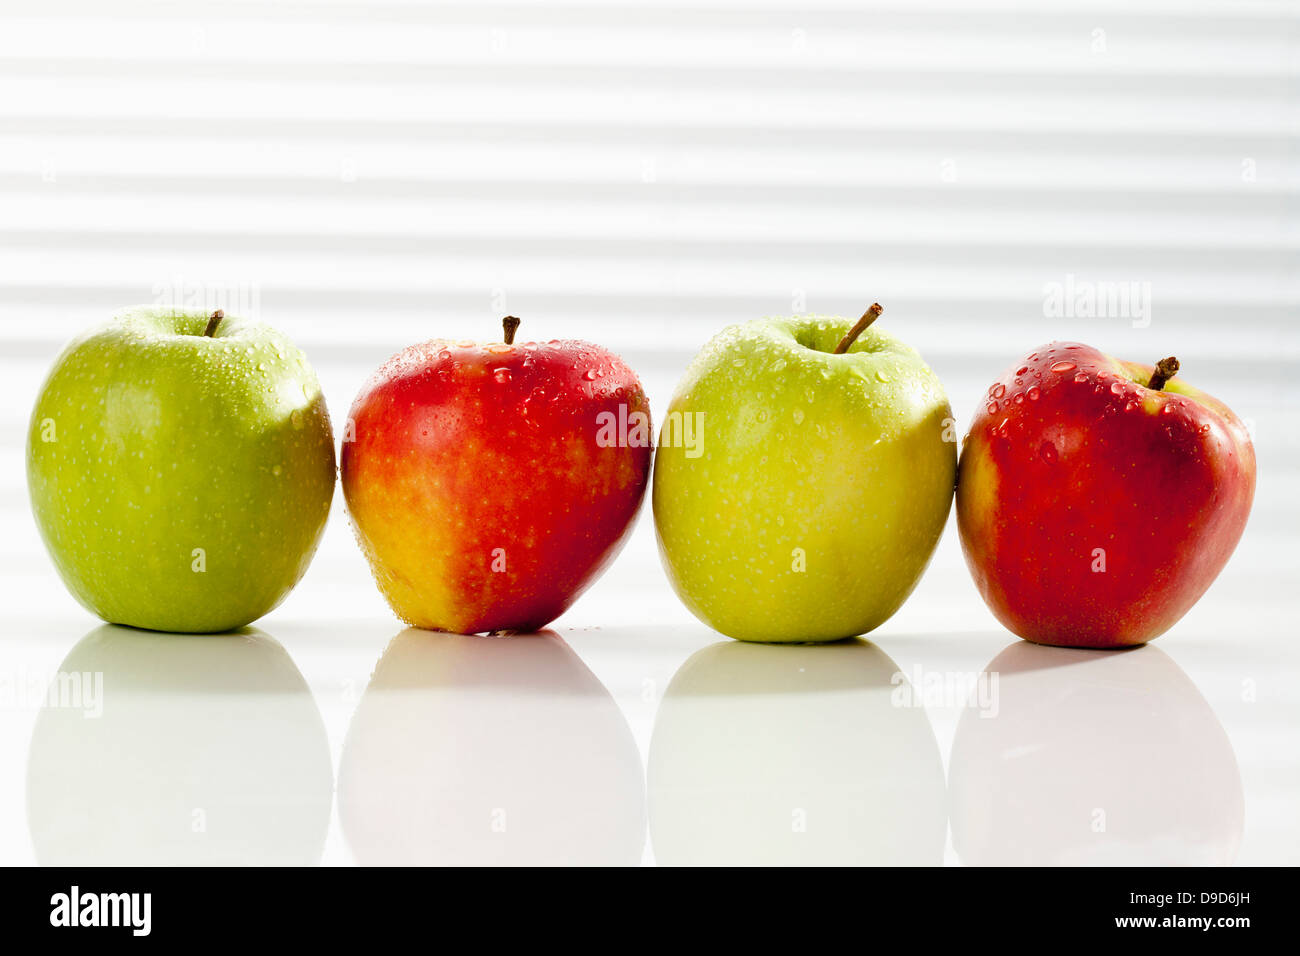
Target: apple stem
(213, 321)
(1166, 369)
(511, 326)
(852, 334)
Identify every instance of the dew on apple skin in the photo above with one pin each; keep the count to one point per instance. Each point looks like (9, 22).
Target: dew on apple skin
(501, 375)
(1081, 377)
(1022, 370)
(798, 416)
(1063, 367)
(1117, 388)
(998, 390)
(992, 408)
(1033, 393)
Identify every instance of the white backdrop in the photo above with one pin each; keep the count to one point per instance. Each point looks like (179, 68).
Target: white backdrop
(366, 175)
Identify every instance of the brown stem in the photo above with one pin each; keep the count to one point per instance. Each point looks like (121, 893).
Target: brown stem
(213, 321)
(1166, 369)
(852, 334)
(511, 325)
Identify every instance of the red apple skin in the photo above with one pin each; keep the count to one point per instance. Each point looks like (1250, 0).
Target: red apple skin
(1069, 453)
(480, 485)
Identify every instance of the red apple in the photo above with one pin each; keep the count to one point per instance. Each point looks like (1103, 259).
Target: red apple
(489, 484)
(1098, 499)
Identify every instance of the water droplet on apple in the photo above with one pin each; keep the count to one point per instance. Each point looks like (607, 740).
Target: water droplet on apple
(502, 375)
(1081, 377)
(1047, 451)
(881, 376)
(1022, 370)
(1063, 366)
(998, 390)
(798, 416)
(1168, 409)
(589, 375)
(1117, 388)
(992, 408)
(1033, 393)
(738, 363)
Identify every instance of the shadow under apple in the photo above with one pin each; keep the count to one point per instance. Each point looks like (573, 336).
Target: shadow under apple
(1093, 757)
(167, 749)
(471, 750)
(794, 755)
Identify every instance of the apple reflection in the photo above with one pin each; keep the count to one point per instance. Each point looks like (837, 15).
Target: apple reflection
(1106, 758)
(188, 750)
(489, 751)
(794, 755)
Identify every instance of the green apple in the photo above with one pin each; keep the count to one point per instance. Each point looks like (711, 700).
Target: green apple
(804, 475)
(181, 468)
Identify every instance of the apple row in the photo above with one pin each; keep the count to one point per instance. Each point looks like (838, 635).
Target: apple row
(181, 468)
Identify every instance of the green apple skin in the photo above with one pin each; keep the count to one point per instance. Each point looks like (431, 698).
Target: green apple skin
(820, 484)
(181, 483)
